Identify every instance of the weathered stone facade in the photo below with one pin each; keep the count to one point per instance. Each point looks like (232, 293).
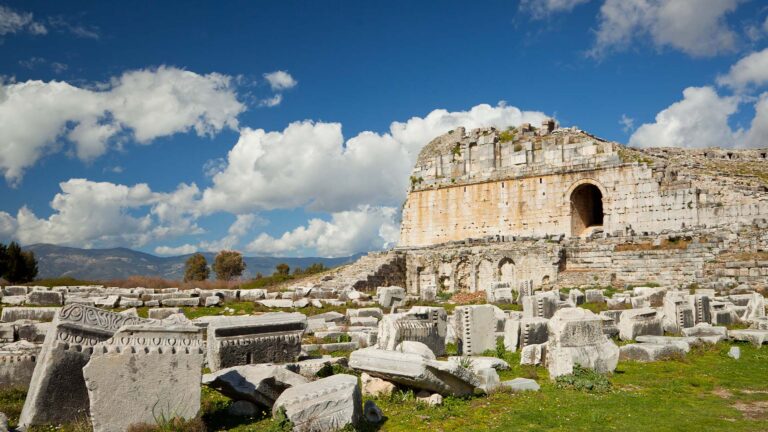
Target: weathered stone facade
(539, 182)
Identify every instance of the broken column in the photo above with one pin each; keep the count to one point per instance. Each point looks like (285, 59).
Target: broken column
(152, 372)
(268, 338)
(576, 338)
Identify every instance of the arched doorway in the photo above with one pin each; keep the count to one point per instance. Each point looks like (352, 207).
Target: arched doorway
(586, 208)
(506, 270)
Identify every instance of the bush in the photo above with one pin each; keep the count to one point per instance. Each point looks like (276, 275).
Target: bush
(584, 380)
(228, 265)
(196, 268)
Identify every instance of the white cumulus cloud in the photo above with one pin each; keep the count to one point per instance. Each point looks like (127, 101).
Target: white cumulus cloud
(91, 214)
(184, 249)
(750, 70)
(696, 27)
(280, 80)
(348, 232)
(37, 117)
(699, 120)
(310, 163)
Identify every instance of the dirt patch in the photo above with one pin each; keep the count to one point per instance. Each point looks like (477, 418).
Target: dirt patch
(722, 393)
(757, 410)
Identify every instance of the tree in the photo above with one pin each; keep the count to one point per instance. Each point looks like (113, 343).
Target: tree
(196, 268)
(3, 259)
(228, 265)
(20, 266)
(282, 269)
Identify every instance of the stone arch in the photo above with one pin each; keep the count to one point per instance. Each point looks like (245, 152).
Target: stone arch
(484, 275)
(586, 206)
(462, 276)
(507, 270)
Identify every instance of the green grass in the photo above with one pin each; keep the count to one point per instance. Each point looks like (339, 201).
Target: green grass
(247, 308)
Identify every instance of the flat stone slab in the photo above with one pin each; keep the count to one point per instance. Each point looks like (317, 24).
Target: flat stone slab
(259, 384)
(328, 404)
(753, 336)
(480, 362)
(11, 314)
(649, 352)
(415, 371)
(683, 343)
(521, 384)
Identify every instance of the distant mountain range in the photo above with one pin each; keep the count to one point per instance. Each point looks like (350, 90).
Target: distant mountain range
(118, 263)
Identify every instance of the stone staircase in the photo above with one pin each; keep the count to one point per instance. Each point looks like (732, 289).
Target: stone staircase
(368, 273)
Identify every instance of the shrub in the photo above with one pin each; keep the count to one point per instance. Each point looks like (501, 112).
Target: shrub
(584, 380)
(228, 265)
(196, 268)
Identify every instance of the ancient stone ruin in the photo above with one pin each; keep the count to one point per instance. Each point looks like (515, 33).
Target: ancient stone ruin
(509, 238)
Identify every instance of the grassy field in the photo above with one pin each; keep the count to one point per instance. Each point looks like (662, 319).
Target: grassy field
(705, 391)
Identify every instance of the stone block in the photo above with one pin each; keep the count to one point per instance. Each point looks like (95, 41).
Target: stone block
(390, 296)
(365, 312)
(57, 391)
(594, 296)
(109, 302)
(650, 352)
(45, 298)
(269, 338)
(639, 322)
(427, 325)
(541, 304)
(253, 294)
(475, 329)
(521, 384)
(576, 338)
(533, 354)
(15, 290)
(163, 313)
(17, 364)
(511, 334)
(707, 333)
(28, 313)
(753, 336)
(181, 302)
(375, 387)
(152, 371)
(13, 300)
(328, 404)
(533, 331)
(259, 384)
(309, 368)
(415, 371)
(31, 331)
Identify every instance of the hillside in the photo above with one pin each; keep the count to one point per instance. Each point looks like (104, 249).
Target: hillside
(117, 263)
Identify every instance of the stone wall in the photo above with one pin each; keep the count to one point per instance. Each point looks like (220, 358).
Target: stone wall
(717, 257)
(566, 182)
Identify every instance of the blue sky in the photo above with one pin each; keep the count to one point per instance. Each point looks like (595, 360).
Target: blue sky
(290, 128)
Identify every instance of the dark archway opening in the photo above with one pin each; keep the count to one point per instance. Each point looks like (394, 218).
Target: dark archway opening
(586, 208)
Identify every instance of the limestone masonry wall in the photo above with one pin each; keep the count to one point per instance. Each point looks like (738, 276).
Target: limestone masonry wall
(527, 182)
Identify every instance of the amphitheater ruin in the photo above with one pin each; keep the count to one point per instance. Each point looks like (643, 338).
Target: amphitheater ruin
(670, 243)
